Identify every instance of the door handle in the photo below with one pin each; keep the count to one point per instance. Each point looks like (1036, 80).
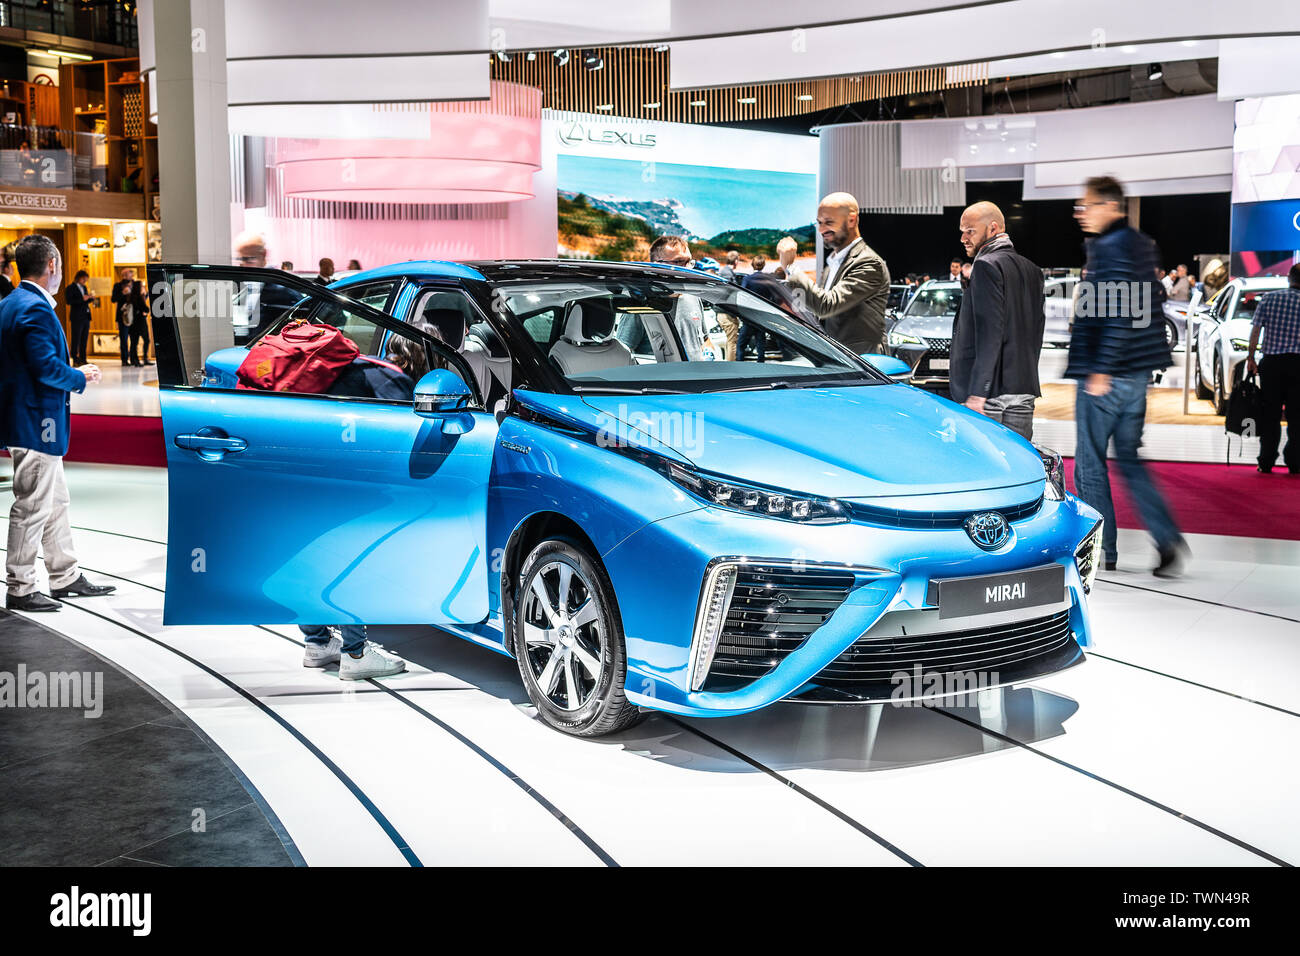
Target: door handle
(212, 444)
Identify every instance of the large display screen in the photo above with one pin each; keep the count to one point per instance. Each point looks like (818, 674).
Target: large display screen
(619, 188)
(1266, 186)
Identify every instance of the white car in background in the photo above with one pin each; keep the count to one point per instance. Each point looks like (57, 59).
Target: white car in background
(1058, 310)
(1224, 334)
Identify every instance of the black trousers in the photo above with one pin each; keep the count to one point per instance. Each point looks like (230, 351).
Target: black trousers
(139, 335)
(80, 339)
(1279, 385)
(123, 341)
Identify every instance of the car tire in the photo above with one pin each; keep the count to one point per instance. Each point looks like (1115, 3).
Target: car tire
(557, 646)
(1220, 400)
(1203, 392)
(1171, 334)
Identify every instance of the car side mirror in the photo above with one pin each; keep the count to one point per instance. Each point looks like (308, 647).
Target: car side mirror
(889, 365)
(439, 393)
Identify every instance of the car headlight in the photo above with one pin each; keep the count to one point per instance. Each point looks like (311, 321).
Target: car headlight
(1087, 557)
(896, 339)
(1241, 345)
(755, 500)
(1055, 490)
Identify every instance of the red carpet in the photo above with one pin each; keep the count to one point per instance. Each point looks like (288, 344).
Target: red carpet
(1216, 499)
(117, 440)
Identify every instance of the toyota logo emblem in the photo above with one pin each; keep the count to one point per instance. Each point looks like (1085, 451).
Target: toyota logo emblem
(988, 529)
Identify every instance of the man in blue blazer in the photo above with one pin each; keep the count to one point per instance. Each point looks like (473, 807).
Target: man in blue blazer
(35, 419)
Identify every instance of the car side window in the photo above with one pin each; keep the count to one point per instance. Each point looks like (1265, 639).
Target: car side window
(256, 306)
(303, 343)
(373, 294)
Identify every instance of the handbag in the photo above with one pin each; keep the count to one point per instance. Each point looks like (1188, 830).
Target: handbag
(1244, 407)
(301, 357)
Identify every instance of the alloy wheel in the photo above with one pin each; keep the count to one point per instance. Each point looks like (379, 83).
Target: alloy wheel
(563, 634)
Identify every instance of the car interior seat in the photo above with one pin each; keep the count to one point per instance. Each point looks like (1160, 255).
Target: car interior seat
(588, 344)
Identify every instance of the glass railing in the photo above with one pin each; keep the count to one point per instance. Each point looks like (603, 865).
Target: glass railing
(102, 22)
(40, 157)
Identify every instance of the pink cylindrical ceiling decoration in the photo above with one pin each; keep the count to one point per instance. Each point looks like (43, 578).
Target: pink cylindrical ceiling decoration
(477, 151)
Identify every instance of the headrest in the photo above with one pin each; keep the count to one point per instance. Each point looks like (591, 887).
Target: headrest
(491, 341)
(589, 319)
(449, 323)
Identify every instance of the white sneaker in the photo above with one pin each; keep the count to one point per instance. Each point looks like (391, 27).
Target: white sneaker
(322, 655)
(373, 662)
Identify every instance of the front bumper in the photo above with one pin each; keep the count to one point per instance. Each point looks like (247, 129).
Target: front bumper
(891, 570)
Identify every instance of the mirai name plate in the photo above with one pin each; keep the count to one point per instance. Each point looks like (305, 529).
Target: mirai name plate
(987, 593)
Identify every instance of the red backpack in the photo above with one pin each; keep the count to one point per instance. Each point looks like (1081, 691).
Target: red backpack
(301, 357)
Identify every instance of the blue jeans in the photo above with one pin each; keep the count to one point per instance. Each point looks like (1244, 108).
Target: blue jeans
(353, 635)
(1119, 414)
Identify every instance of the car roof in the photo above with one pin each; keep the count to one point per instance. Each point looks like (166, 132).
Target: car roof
(1250, 283)
(941, 284)
(417, 267)
(535, 270)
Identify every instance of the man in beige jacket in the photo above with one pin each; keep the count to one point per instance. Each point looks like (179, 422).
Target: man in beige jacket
(850, 301)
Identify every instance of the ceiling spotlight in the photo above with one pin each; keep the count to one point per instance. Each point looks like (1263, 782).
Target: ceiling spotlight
(651, 106)
(661, 48)
(804, 97)
(561, 57)
(531, 56)
(747, 99)
(593, 61)
(605, 106)
(699, 102)
(503, 56)
(1155, 71)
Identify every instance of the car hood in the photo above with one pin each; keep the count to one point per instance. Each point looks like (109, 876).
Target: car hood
(858, 442)
(926, 326)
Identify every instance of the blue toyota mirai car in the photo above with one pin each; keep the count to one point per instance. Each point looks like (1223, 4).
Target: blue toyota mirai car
(538, 458)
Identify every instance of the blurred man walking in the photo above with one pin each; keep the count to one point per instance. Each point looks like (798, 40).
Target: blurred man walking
(1117, 342)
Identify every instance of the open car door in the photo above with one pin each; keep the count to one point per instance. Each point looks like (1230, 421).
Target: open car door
(342, 506)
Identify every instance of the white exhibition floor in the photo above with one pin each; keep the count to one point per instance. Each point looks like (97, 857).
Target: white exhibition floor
(1175, 744)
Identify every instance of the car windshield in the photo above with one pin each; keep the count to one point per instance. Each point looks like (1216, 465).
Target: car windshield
(935, 302)
(667, 334)
(1248, 301)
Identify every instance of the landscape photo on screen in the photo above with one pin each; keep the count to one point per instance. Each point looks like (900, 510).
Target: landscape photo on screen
(615, 208)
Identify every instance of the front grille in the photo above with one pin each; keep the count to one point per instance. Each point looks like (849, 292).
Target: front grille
(926, 520)
(773, 610)
(939, 348)
(874, 661)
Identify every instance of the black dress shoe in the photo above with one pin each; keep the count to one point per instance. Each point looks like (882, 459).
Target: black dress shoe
(1263, 471)
(1109, 565)
(83, 588)
(36, 601)
(1173, 560)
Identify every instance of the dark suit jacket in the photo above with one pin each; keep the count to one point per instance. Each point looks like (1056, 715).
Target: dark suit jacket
(35, 377)
(139, 311)
(852, 307)
(998, 333)
(78, 303)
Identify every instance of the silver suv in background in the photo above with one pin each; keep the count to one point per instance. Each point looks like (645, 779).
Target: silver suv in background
(922, 335)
